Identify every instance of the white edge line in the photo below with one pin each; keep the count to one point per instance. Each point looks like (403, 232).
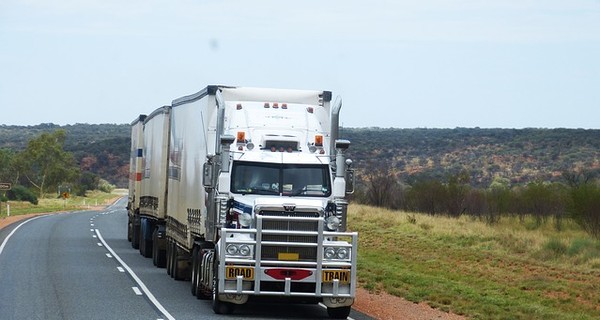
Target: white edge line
(14, 230)
(142, 286)
(324, 306)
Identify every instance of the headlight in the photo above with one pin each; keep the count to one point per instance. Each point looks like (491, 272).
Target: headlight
(245, 219)
(332, 223)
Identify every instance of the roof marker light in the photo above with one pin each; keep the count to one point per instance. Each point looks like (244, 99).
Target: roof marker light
(275, 105)
(284, 106)
(310, 109)
(241, 137)
(267, 105)
(238, 106)
(318, 140)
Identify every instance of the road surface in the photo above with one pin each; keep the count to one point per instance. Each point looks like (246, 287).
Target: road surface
(80, 265)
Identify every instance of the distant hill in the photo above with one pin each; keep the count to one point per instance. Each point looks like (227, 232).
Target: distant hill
(517, 156)
(100, 148)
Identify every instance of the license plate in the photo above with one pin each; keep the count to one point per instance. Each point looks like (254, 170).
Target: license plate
(231, 273)
(342, 275)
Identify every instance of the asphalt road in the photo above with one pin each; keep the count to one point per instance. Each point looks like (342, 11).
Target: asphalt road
(80, 266)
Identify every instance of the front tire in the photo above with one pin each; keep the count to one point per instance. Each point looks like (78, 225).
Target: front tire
(339, 313)
(218, 306)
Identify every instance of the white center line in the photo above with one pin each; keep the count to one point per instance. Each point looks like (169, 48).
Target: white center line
(108, 255)
(137, 291)
(120, 269)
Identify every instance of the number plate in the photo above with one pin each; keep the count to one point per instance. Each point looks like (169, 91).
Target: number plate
(342, 275)
(231, 273)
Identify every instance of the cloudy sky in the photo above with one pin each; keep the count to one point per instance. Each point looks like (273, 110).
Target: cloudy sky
(396, 63)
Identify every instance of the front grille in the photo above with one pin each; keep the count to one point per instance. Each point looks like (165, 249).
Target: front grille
(304, 253)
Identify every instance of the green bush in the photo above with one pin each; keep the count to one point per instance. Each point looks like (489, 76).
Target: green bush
(20, 193)
(105, 186)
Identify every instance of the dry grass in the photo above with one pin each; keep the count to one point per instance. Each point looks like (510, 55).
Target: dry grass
(55, 204)
(511, 270)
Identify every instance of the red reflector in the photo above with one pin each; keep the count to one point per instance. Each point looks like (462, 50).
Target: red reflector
(294, 274)
(138, 176)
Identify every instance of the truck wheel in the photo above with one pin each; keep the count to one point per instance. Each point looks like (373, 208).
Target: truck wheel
(155, 248)
(169, 268)
(145, 245)
(158, 255)
(129, 231)
(135, 237)
(202, 290)
(195, 277)
(339, 313)
(218, 306)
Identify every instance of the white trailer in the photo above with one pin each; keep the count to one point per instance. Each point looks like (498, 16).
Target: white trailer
(256, 205)
(153, 196)
(135, 175)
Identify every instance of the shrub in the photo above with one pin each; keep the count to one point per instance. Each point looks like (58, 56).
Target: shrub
(105, 186)
(585, 208)
(20, 193)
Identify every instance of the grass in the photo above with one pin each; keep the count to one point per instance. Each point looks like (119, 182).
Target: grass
(55, 204)
(504, 271)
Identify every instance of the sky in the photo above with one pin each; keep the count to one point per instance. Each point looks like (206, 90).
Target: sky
(395, 63)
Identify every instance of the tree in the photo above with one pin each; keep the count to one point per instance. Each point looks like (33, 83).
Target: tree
(7, 173)
(585, 207)
(457, 191)
(45, 164)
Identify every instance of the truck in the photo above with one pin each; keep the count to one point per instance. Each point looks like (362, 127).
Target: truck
(256, 206)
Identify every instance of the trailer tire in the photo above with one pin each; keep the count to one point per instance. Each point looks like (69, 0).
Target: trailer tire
(155, 248)
(158, 256)
(135, 236)
(339, 313)
(169, 258)
(129, 227)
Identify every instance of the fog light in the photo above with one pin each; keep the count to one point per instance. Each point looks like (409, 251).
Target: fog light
(342, 253)
(232, 250)
(244, 250)
(329, 253)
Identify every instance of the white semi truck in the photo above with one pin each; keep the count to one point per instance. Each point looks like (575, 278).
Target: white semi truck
(255, 198)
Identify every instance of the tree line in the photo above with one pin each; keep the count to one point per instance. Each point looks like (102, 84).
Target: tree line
(44, 167)
(576, 196)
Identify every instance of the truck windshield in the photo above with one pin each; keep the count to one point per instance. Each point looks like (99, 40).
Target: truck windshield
(280, 179)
